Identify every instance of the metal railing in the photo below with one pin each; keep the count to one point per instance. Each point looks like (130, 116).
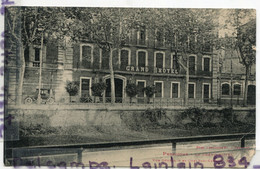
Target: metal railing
(125, 102)
(12, 153)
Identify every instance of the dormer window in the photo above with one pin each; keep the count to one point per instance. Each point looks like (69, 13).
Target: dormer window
(159, 38)
(141, 36)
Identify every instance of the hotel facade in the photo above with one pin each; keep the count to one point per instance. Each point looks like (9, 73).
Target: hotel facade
(215, 76)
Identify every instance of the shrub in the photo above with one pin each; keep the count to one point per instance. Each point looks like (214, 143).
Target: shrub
(153, 115)
(149, 92)
(131, 90)
(203, 118)
(250, 117)
(37, 129)
(195, 114)
(228, 114)
(98, 88)
(72, 88)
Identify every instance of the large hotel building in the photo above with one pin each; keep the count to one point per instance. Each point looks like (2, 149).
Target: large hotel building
(215, 76)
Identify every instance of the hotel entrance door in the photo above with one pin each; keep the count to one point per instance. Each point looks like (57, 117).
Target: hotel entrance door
(118, 90)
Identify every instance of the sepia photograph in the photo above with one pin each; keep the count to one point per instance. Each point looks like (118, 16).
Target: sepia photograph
(129, 87)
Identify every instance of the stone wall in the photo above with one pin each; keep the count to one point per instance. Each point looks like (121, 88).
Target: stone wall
(106, 118)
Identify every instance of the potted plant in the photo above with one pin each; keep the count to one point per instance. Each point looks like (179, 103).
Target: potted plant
(97, 90)
(72, 87)
(131, 90)
(149, 92)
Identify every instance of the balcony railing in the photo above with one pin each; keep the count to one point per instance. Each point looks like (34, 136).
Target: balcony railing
(203, 73)
(160, 44)
(36, 64)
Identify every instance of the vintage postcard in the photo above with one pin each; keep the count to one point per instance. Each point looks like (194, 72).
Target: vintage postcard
(129, 87)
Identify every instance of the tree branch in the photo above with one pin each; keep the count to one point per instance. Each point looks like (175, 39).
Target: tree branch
(35, 25)
(24, 27)
(14, 22)
(182, 65)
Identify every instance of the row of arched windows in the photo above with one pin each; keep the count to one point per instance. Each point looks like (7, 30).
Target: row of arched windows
(124, 59)
(226, 90)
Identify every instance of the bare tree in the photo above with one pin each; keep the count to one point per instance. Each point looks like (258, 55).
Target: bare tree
(189, 31)
(25, 26)
(243, 24)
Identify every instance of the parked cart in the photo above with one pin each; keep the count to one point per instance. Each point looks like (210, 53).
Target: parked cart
(46, 97)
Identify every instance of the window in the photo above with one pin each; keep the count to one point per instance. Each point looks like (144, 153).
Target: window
(126, 40)
(37, 54)
(26, 54)
(124, 58)
(158, 89)
(192, 65)
(141, 60)
(174, 62)
(86, 56)
(225, 89)
(206, 65)
(192, 42)
(237, 89)
(85, 86)
(142, 36)
(159, 59)
(191, 90)
(206, 92)
(207, 46)
(175, 90)
(105, 59)
(159, 37)
(140, 86)
(173, 41)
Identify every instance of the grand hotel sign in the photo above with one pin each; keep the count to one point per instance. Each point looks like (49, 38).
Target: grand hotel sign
(151, 70)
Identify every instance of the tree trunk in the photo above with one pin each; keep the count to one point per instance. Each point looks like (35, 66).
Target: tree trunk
(186, 97)
(19, 96)
(246, 86)
(112, 79)
(39, 99)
